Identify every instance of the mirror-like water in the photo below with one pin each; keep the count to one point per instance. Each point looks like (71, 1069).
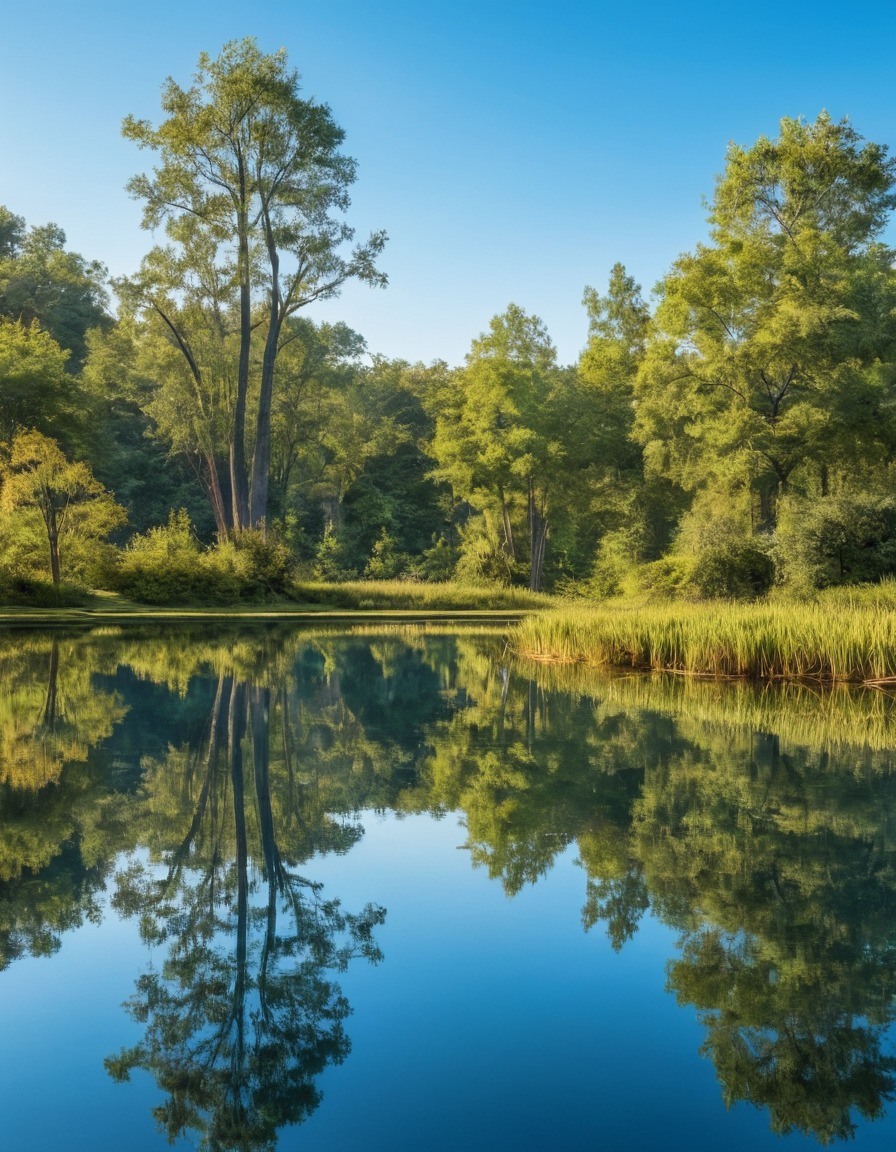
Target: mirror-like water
(384, 889)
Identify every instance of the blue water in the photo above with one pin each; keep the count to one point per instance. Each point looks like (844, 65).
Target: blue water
(490, 1020)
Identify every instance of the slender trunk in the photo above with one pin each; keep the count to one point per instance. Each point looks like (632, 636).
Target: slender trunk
(216, 496)
(261, 459)
(239, 483)
(259, 707)
(767, 500)
(508, 528)
(538, 533)
(54, 557)
(219, 711)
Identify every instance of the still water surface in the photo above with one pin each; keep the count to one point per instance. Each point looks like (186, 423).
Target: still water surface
(386, 890)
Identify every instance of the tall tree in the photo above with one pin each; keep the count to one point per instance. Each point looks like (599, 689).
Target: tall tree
(249, 184)
(495, 439)
(775, 347)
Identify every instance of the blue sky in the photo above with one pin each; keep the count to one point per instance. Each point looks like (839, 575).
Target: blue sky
(512, 150)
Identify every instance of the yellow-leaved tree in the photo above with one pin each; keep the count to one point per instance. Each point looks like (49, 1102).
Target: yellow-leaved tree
(46, 495)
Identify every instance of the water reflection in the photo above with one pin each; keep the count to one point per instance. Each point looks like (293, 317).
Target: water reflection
(761, 825)
(243, 1014)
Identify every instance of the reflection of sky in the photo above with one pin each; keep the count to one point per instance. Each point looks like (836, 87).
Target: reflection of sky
(491, 1024)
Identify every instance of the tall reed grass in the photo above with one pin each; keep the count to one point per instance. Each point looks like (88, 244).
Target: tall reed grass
(831, 639)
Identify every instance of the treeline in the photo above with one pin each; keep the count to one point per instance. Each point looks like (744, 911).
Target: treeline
(212, 439)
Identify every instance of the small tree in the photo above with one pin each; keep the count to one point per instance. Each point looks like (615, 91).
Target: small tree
(70, 501)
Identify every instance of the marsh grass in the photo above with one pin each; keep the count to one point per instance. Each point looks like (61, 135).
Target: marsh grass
(834, 638)
(396, 595)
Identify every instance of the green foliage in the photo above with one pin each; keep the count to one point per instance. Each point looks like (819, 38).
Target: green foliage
(47, 495)
(846, 537)
(736, 570)
(35, 389)
(250, 186)
(42, 284)
(496, 440)
(483, 555)
(670, 576)
(771, 357)
(386, 562)
(438, 562)
(29, 592)
(168, 565)
(331, 561)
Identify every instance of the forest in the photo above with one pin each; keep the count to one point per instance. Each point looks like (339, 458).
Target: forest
(190, 433)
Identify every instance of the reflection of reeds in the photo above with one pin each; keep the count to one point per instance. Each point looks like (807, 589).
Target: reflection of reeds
(822, 640)
(821, 718)
(418, 630)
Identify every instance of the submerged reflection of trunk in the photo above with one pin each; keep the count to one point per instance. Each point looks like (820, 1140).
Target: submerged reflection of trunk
(241, 1018)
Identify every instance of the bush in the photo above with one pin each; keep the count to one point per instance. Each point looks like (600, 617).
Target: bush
(436, 563)
(167, 565)
(386, 562)
(28, 592)
(847, 538)
(331, 559)
(668, 576)
(735, 570)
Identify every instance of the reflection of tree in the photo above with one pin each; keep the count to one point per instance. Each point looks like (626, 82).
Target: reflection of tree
(244, 1014)
(777, 866)
(58, 824)
(782, 880)
(774, 856)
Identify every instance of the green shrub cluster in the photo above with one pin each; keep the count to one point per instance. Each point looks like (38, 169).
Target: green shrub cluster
(167, 565)
(31, 592)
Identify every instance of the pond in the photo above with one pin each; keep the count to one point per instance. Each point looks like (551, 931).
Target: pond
(332, 889)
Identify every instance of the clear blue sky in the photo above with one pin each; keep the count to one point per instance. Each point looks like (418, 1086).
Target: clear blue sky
(513, 149)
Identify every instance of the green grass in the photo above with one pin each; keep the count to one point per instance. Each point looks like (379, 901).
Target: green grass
(834, 638)
(362, 599)
(372, 595)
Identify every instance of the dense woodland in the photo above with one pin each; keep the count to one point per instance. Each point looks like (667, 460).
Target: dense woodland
(190, 432)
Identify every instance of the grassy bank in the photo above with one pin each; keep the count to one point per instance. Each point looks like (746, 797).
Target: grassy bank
(367, 595)
(363, 599)
(834, 638)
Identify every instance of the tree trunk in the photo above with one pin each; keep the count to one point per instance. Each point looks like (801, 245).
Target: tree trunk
(236, 729)
(538, 534)
(239, 481)
(53, 537)
(261, 459)
(509, 547)
(216, 496)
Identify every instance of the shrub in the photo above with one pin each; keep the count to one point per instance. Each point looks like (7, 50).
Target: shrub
(734, 570)
(846, 538)
(28, 592)
(436, 563)
(386, 562)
